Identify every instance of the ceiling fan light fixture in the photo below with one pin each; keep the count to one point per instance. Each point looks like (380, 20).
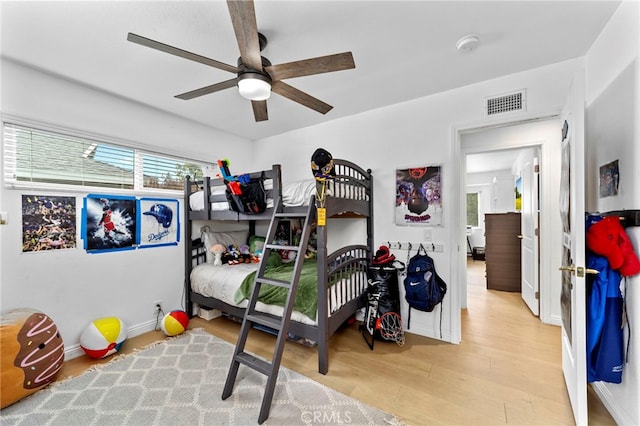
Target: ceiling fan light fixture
(254, 86)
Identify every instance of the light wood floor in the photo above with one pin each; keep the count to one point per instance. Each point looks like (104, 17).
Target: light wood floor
(507, 370)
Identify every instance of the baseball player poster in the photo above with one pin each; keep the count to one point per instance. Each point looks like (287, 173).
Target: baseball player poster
(109, 223)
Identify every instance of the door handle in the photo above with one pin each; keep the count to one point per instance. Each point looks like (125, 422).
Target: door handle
(520, 236)
(571, 269)
(580, 271)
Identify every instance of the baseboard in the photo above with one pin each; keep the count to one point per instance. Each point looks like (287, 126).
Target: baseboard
(430, 333)
(74, 351)
(609, 402)
(553, 320)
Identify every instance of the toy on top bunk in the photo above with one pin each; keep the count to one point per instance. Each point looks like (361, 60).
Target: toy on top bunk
(244, 194)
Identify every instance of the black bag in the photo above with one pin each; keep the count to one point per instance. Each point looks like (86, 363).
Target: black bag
(384, 282)
(251, 200)
(383, 296)
(424, 289)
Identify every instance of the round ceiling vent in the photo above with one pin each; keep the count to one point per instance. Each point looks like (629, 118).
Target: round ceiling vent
(468, 43)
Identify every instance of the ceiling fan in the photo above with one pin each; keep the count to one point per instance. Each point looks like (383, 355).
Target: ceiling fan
(256, 77)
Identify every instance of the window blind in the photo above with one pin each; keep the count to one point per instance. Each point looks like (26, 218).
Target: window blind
(167, 173)
(34, 155)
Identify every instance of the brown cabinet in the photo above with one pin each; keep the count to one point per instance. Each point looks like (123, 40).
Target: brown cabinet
(502, 251)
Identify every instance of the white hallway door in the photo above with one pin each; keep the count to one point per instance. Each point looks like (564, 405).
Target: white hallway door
(573, 292)
(529, 236)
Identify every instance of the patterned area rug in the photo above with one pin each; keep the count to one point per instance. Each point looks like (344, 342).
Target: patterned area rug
(179, 382)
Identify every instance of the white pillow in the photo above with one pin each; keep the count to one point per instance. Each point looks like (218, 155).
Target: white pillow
(298, 193)
(236, 238)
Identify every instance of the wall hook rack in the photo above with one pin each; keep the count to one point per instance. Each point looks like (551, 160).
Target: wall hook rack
(627, 217)
(409, 246)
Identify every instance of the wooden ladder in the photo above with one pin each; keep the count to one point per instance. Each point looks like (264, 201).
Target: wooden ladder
(281, 325)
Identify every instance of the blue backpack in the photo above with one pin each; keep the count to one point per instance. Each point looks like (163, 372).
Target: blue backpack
(424, 289)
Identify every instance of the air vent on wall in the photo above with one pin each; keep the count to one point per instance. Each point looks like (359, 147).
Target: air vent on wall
(516, 101)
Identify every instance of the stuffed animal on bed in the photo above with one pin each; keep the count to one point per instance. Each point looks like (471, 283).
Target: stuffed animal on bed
(232, 256)
(245, 254)
(218, 250)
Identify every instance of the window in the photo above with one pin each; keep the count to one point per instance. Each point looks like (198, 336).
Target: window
(38, 156)
(167, 173)
(472, 208)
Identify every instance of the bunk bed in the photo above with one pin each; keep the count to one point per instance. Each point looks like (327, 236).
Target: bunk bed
(340, 277)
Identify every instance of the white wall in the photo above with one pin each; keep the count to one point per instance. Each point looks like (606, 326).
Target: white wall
(496, 196)
(613, 133)
(412, 134)
(72, 286)
(503, 194)
(483, 184)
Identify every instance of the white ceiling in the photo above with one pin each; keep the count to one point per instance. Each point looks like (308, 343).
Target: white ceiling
(402, 50)
(492, 161)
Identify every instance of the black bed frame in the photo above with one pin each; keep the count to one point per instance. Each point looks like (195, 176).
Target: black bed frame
(351, 197)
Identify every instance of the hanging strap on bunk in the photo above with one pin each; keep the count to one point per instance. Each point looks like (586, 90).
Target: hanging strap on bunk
(280, 324)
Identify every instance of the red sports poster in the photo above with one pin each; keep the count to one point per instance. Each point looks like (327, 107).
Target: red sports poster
(109, 223)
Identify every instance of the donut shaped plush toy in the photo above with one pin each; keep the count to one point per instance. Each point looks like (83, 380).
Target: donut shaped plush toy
(32, 353)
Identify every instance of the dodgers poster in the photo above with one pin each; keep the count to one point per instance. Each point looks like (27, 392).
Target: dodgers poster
(159, 222)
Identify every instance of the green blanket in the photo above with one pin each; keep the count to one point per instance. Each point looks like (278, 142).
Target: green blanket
(306, 297)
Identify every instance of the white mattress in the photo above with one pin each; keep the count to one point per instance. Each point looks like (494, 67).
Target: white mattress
(294, 194)
(221, 282)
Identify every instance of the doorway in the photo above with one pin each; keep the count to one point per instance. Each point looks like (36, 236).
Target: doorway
(503, 219)
(542, 134)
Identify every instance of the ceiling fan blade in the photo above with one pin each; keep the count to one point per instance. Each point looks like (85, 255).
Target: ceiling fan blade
(260, 110)
(319, 65)
(208, 89)
(296, 95)
(243, 18)
(147, 42)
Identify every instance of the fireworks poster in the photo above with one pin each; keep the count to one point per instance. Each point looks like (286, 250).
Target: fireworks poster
(419, 196)
(159, 222)
(48, 223)
(109, 223)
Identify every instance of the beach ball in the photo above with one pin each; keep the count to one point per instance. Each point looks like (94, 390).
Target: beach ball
(103, 337)
(174, 323)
